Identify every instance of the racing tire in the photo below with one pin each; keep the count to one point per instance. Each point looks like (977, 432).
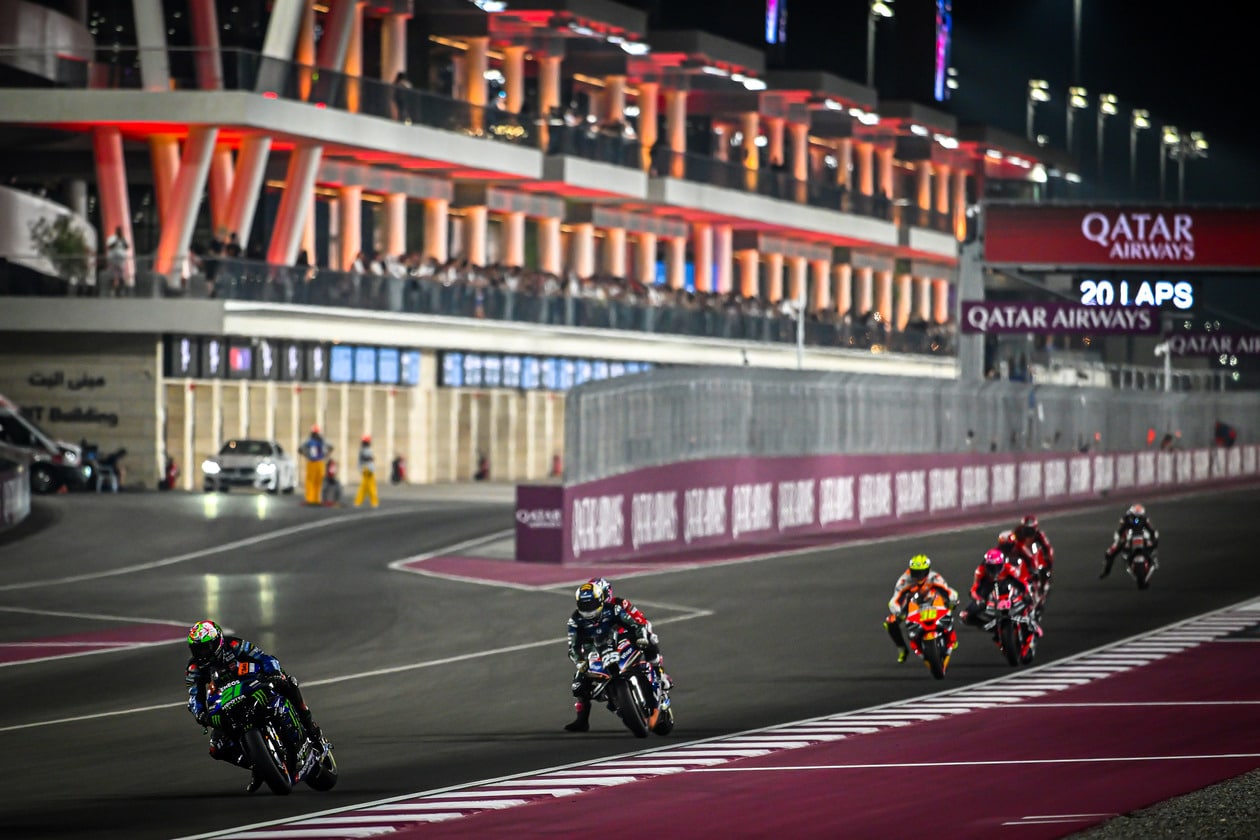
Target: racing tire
(323, 776)
(1142, 574)
(42, 480)
(1010, 642)
(665, 724)
(628, 710)
(934, 659)
(265, 756)
(1026, 657)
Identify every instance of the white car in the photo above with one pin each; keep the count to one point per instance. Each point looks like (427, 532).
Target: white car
(261, 464)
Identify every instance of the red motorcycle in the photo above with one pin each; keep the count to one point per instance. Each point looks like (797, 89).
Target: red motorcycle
(929, 621)
(1139, 559)
(1008, 615)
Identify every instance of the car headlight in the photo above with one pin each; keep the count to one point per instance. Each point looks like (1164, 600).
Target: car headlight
(266, 469)
(209, 467)
(69, 457)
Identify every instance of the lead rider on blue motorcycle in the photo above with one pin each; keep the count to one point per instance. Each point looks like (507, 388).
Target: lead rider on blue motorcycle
(215, 656)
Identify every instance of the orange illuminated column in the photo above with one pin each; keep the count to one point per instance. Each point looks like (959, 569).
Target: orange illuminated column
(476, 221)
(251, 166)
(844, 288)
(308, 230)
(304, 54)
(941, 193)
(164, 152)
(111, 181)
(749, 279)
(923, 298)
(885, 157)
(615, 252)
(436, 228)
(774, 139)
(548, 95)
(883, 295)
(475, 80)
(702, 250)
(648, 93)
(821, 278)
(393, 46)
(798, 276)
(396, 224)
(583, 245)
(676, 262)
(722, 258)
(185, 201)
(350, 224)
(550, 259)
(645, 259)
(676, 128)
(905, 285)
(940, 301)
(866, 168)
(615, 99)
(514, 78)
(960, 204)
(800, 160)
(514, 239)
(923, 185)
(750, 125)
(354, 60)
(203, 18)
(844, 163)
(774, 277)
(221, 173)
(864, 290)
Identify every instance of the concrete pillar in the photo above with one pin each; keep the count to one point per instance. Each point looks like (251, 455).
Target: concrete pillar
(185, 201)
(514, 78)
(800, 151)
(941, 192)
(164, 152)
(844, 163)
(676, 262)
(221, 172)
(304, 50)
(436, 224)
(150, 22)
(940, 301)
(395, 239)
(393, 46)
(550, 258)
(111, 182)
(582, 259)
(548, 83)
(722, 257)
(960, 203)
(923, 185)
(885, 157)
(308, 230)
(251, 166)
(334, 44)
(645, 259)
(774, 277)
(676, 129)
(702, 254)
(749, 276)
(287, 19)
(350, 223)
(798, 277)
(774, 139)
(866, 168)
(615, 252)
(334, 236)
(353, 67)
(295, 203)
(903, 308)
(475, 71)
(204, 22)
(514, 238)
(615, 99)
(476, 224)
(844, 288)
(864, 291)
(883, 295)
(647, 101)
(821, 280)
(750, 126)
(922, 300)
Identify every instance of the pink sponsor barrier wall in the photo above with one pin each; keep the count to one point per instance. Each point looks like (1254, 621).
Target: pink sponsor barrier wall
(732, 502)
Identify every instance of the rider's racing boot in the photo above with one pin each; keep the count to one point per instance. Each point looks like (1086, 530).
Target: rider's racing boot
(902, 653)
(1107, 563)
(582, 722)
(311, 727)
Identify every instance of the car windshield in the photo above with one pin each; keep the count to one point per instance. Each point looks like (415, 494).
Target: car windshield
(246, 447)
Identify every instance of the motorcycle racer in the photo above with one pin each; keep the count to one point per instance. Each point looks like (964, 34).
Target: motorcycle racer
(215, 656)
(1028, 532)
(917, 578)
(1135, 521)
(996, 567)
(598, 620)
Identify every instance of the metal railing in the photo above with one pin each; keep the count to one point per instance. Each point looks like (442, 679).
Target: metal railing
(682, 414)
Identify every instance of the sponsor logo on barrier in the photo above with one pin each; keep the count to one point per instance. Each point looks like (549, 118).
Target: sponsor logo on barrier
(752, 508)
(1249, 460)
(1165, 468)
(1146, 469)
(1030, 480)
(836, 499)
(975, 486)
(598, 522)
(1183, 466)
(704, 513)
(1124, 471)
(1003, 489)
(875, 496)
(1104, 473)
(653, 518)
(1055, 478)
(541, 518)
(796, 503)
(1078, 476)
(1234, 462)
(943, 489)
(1202, 466)
(911, 492)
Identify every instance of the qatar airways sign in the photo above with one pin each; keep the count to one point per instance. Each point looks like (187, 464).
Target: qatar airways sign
(992, 317)
(1093, 236)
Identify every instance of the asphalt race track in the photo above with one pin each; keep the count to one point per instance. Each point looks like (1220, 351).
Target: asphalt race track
(425, 682)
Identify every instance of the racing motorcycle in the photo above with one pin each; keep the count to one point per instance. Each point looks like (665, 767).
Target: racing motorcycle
(249, 710)
(1008, 615)
(928, 621)
(1139, 559)
(624, 679)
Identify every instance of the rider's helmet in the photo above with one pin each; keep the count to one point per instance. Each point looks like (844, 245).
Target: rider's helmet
(1029, 521)
(590, 599)
(993, 562)
(367, 439)
(1135, 515)
(919, 566)
(205, 640)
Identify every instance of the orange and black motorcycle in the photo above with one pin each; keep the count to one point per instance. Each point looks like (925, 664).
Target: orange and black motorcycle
(929, 625)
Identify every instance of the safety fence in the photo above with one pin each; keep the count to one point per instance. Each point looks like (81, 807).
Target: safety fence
(689, 414)
(730, 504)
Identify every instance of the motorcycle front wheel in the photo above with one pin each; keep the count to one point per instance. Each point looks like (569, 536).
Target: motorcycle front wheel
(323, 775)
(934, 656)
(628, 709)
(265, 754)
(1010, 642)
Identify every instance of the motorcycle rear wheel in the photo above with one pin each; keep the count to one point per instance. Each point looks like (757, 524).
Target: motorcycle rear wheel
(629, 711)
(934, 658)
(267, 762)
(1010, 642)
